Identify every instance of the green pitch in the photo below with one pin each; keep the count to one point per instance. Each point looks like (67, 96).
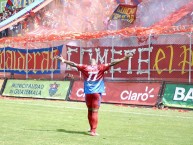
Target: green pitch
(38, 122)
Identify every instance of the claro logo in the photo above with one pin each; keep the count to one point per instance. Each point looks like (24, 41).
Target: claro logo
(135, 96)
(80, 93)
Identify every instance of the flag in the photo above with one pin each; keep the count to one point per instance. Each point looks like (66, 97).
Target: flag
(9, 5)
(136, 2)
(120, 1)
(125, 12)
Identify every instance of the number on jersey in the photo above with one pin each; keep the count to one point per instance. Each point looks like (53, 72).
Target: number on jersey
(92, 75)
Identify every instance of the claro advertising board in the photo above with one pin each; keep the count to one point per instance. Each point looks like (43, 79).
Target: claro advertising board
(122, 92)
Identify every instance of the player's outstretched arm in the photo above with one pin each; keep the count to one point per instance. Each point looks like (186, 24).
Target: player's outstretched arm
(117, 61)
(66, 61)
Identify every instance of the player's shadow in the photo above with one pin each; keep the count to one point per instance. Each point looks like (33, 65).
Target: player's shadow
(62, 130)
(72, 132)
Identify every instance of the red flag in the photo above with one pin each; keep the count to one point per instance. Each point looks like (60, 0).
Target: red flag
(9, 2)
(9, 5)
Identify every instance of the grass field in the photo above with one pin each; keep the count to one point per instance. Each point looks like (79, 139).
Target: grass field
(39, 122)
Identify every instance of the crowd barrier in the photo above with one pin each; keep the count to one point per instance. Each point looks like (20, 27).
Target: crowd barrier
(143, 93)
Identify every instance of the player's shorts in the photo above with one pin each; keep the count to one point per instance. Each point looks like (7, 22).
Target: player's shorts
(93, 100)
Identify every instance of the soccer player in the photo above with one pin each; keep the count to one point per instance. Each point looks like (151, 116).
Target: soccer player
(93, 75)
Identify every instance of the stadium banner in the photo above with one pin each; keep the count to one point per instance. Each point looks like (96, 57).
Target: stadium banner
(178, 95)
(125, 12)
(37, 89)
(157, 60)
(122, 92)
(40, 61)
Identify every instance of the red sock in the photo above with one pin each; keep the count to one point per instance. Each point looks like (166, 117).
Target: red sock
(94, 121)
(90, 119)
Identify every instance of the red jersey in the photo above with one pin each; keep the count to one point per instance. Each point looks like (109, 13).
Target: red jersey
(93, 77)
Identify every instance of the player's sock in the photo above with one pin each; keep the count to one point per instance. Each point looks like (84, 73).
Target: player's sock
(90, 119)
(94, 121)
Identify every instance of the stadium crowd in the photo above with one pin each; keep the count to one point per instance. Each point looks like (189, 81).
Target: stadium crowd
(3, 16)
(44, 17)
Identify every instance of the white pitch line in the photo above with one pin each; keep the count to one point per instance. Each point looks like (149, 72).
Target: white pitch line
(103, 110)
